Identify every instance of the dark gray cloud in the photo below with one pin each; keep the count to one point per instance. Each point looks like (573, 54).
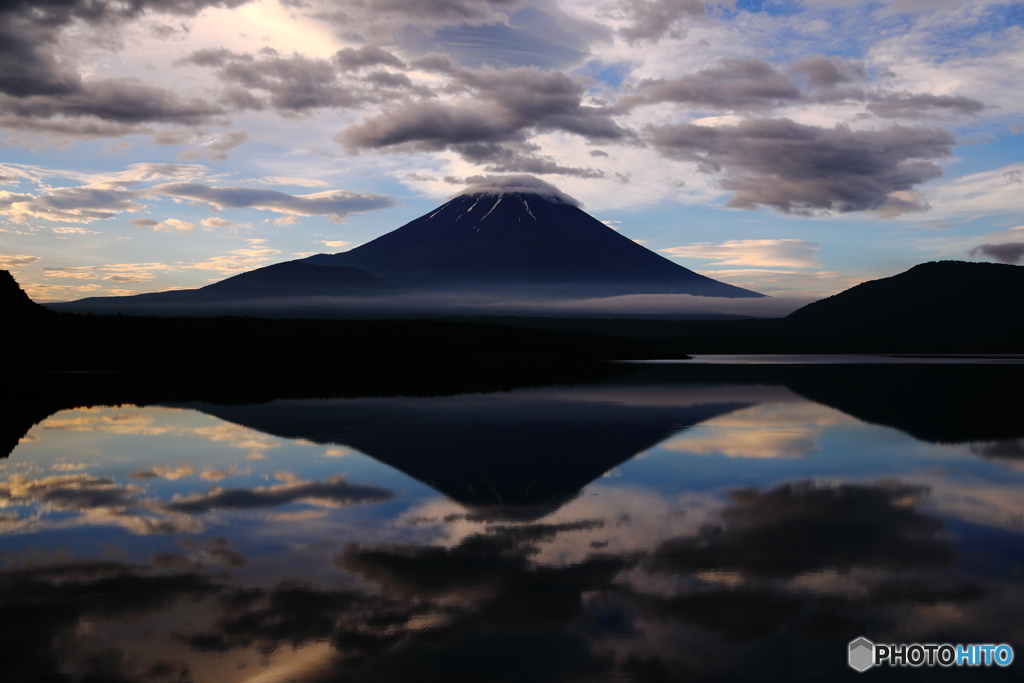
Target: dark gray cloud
(52, 599)
(654, 19)
(84, 129)
(350, 59)
(1007, 252)
(502, 107)
(896, 105)
(1011, 450)
(38, 81)
(388, 79)
(72, 491)
(499, 34)
(797, 168)
(298, 83)
(125, 100)
(444, 10)
(736, 85)
(212, 57)
(803, 527)
(388, 19)
(751, 84)
(828, 72)
(335, 491)
(293, 83)
(334, 203)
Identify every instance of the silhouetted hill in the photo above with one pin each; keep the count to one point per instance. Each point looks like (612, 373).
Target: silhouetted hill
(527, 237)
(938, 298)
(14, 302)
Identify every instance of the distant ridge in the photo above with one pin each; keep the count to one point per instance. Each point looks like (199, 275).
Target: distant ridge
(288, 279)
(937, 298)
(520, 234)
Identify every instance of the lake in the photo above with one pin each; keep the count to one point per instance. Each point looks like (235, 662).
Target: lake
(644, 522)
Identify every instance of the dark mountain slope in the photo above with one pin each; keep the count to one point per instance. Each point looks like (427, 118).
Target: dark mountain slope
(296, 278)
(14, 302)
(506, 236)
(288, 279)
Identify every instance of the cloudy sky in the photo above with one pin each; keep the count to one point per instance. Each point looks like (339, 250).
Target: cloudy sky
(795, 147)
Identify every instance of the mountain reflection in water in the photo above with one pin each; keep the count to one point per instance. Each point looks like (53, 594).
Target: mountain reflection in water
(670, 524)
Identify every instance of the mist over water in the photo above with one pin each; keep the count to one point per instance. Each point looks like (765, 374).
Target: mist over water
(705, 522)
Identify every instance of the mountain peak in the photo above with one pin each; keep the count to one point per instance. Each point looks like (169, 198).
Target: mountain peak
(517, 235)
(516, 184)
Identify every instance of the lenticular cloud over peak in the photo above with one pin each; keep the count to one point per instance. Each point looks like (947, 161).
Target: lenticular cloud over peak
(516, 184)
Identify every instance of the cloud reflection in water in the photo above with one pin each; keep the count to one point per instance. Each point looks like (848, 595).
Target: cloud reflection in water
(641, 577)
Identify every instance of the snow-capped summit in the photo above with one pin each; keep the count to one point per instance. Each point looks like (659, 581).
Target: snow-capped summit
(516, 184)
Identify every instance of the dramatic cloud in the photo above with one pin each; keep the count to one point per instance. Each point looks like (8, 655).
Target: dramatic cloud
(499, 107)
(799, 528)
(294, 83)
(1008, 252)
(797, 168)
(334, 203)
(123, 100)
(38, 82)
(781, 253)
(920, 105)
(333, 492)
(655, 19)
(828, 72)
(298, 83)
(73, 204)
(739, 84)
(351, 59)
(70, 491)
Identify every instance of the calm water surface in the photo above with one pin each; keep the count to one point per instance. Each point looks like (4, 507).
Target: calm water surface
(666, 525)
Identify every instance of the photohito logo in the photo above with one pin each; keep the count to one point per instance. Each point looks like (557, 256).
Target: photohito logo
(863, 654)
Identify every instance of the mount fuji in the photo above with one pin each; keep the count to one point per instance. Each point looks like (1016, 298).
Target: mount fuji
(521, 234)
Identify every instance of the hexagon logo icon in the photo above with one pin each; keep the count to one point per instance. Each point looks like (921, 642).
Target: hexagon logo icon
(862, 654)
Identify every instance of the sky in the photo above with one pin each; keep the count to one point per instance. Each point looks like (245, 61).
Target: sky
(792, 147)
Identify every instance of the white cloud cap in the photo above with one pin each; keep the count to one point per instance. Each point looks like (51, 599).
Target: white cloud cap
(509, 184)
